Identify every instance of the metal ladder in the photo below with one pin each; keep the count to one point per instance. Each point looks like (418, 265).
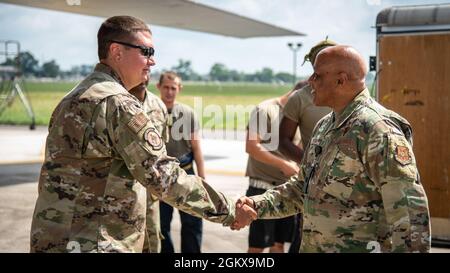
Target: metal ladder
(11, 84)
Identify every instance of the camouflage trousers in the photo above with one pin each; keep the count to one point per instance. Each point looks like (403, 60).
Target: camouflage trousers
(152, 243)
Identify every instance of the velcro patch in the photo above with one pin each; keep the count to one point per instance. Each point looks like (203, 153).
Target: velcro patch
(402, 155)
(138, 122)
(153, 138)
(348, 147)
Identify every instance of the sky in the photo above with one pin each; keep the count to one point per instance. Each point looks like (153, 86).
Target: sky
(70, 39)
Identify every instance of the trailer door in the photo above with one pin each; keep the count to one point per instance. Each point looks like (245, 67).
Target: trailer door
(414, 81)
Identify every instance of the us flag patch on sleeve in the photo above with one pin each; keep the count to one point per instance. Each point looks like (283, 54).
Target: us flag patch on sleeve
(138, 122)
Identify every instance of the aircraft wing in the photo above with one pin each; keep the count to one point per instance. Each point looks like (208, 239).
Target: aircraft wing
(183, 14)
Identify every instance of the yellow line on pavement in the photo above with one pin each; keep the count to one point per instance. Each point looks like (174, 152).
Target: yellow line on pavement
(224, 172)
(20, 162)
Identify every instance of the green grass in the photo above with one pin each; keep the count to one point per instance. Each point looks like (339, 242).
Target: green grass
(45, 96)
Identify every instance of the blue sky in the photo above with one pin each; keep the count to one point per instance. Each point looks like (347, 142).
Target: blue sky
(70, 39)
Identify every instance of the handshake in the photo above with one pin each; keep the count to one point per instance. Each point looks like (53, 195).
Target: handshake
(245, 213)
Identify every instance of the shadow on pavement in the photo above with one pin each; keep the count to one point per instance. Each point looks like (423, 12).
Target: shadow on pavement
(19, 173)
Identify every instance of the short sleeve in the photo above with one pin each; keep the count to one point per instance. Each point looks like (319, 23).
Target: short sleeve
(292, 109)
(259, 122)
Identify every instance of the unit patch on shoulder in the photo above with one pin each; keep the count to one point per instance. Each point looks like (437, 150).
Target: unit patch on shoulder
(138, 122)
(153, 138)
(402, 155)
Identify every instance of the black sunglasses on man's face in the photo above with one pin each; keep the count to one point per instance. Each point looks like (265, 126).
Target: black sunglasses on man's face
(145, 51)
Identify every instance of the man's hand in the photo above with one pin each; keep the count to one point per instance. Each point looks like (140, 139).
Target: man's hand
(245, 213)
(290, 168)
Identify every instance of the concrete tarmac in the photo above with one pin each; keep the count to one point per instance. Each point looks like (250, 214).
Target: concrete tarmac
(21, 156)
(21, 153)
(17, 202)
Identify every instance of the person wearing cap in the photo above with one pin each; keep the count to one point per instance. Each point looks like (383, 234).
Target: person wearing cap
(301, 113)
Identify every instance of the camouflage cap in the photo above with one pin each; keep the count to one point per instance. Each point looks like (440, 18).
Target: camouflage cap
(311, 56)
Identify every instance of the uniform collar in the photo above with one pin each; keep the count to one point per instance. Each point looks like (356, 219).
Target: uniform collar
(146, 96)
(104, 68)
(341, 118)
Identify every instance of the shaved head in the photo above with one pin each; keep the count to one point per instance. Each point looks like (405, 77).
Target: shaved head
(339, 75)
(344, 59)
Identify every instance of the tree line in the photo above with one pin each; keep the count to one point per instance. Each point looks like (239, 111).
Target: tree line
(219, 72)
(30, 66)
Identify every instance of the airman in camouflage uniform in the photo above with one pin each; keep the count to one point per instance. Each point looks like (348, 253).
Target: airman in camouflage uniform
(157, 113)
(359, 188)
(103, 153)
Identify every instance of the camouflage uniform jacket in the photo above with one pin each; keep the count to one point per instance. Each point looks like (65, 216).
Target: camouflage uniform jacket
(102, 151)
(359, 186)
(157, 112)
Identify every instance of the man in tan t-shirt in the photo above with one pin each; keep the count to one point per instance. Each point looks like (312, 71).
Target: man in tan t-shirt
(184, 144)
(267, 168)
(300, 112)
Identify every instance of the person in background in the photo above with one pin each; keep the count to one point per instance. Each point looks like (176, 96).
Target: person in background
(157, 112)
(359, 187)
(267, 168)
(301, 113)
(184, 144)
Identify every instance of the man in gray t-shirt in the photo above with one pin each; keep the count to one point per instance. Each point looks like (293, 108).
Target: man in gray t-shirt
(184, 144)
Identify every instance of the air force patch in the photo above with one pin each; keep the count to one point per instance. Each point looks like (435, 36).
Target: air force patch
(153, 138)
(402, 155)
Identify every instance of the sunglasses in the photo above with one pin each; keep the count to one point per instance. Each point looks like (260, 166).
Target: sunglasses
(145, 51)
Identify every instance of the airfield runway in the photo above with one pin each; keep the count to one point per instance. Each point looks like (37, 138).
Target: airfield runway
(21, 152)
